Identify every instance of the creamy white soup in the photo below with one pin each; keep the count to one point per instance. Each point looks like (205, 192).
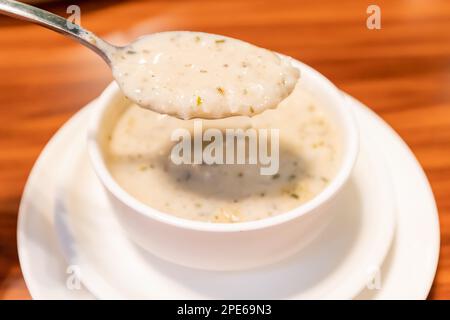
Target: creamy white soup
(138, 156)
(201, 75)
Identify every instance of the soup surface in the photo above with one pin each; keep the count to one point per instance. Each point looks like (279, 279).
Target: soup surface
(201, 75)
(138, 156)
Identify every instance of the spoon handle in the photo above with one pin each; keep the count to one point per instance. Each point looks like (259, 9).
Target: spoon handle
(54, 22)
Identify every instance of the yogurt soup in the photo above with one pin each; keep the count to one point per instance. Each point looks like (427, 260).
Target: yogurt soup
(201, 75)
(139, 147)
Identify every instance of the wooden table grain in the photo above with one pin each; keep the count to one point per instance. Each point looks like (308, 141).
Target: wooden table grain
(401, 71)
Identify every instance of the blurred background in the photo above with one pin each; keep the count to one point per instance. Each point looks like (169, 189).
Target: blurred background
(401, 71)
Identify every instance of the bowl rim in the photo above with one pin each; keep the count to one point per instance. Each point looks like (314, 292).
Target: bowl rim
(351, 136)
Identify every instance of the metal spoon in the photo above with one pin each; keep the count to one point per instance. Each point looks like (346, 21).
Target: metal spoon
(59, 24)
(157, 94)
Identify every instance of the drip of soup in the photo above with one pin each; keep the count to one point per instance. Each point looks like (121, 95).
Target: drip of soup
(201, 75)
(139, 158)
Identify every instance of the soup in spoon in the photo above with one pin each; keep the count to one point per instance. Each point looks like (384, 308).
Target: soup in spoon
(201, 75)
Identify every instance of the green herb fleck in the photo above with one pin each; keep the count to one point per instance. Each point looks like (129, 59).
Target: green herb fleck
(324, 179)
(220, 41)
(294, 195)
(276, 176)
(199, 101)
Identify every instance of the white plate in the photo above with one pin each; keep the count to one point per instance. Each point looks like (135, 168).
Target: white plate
(44, 269)
(407, 273)
(337, 265)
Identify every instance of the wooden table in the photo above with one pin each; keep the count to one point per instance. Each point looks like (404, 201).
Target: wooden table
(401, 71)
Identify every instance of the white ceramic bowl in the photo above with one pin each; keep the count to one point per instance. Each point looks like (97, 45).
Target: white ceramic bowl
(222, 246)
